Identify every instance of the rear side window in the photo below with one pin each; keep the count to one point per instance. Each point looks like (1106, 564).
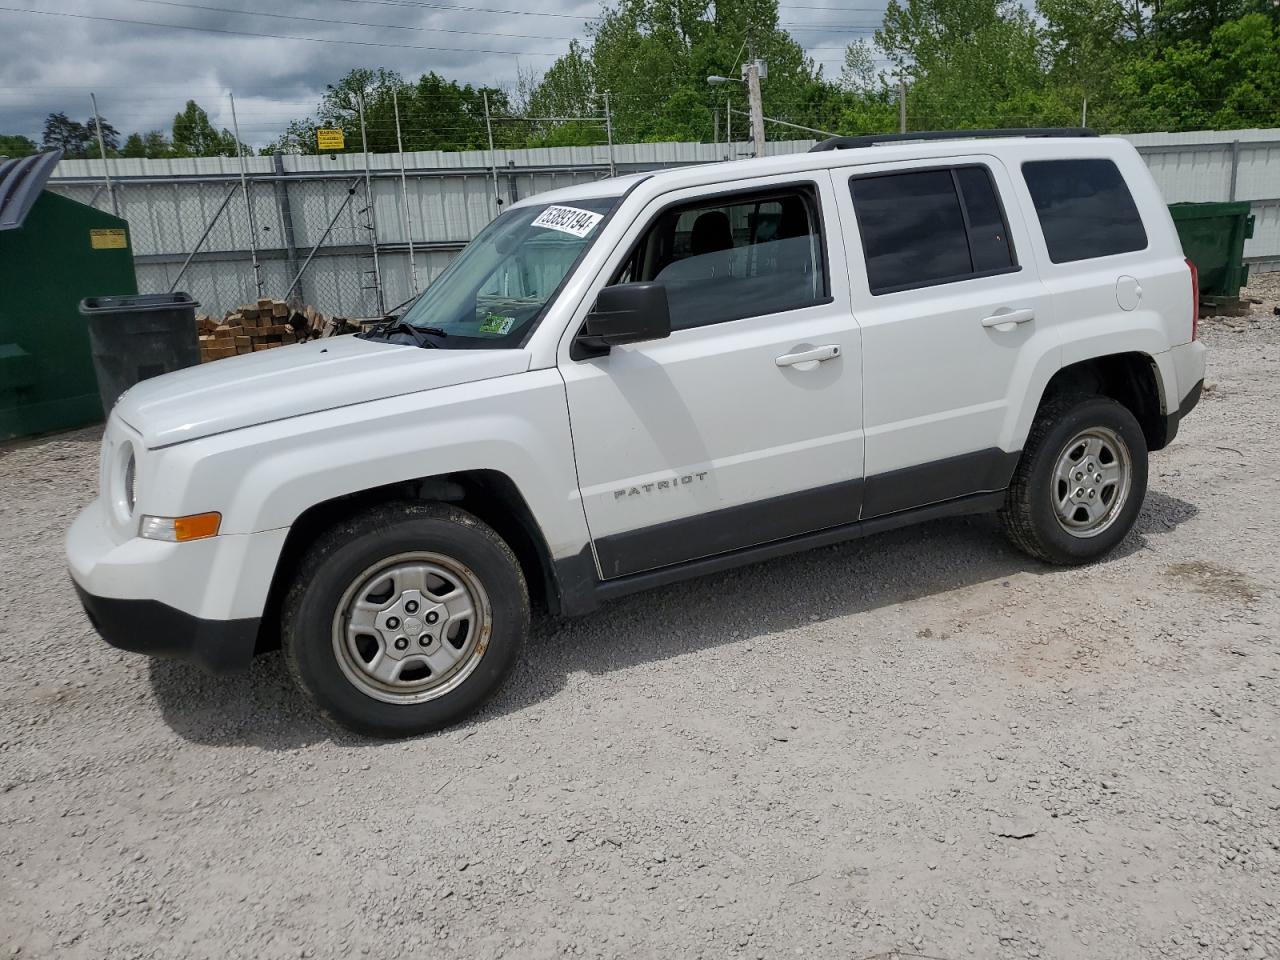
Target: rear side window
(927, 227)
(1085, 209)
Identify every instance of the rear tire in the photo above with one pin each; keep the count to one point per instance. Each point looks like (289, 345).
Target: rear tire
(405, 619)
(1080, 483)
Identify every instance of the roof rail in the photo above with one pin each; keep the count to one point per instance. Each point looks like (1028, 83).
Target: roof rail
(875, 139)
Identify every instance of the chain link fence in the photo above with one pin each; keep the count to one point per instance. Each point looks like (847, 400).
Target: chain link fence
(356, 243)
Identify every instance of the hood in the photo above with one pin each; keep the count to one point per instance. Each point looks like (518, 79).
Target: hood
(301, 378)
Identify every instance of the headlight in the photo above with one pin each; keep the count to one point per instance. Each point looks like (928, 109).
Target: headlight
(131, 483)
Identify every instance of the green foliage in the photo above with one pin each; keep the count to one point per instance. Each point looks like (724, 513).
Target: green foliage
(1139, 64)
(195, 136)
(14, 145)
(435, 114)
(153, 145)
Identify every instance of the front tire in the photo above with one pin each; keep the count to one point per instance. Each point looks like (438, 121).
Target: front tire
(1080, 483)
(405, 619)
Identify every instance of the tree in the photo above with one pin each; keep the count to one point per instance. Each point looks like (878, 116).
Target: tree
(15, 145)
(110, 135)
(71, 136)
(152, 145)
(968, 63)
(195, 136)
(1232, 80)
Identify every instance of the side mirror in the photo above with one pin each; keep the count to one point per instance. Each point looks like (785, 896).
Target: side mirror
(625, 313)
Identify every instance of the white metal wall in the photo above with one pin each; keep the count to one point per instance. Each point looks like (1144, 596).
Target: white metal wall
(170, 203)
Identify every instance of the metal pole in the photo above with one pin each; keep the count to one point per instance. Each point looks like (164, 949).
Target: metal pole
(404, 192)
(715, 128)
(281, 187)
(757, 108)
(493, 156)
(373, 216)
(1084, 112)
(1235, 167)
(204, 236)
(608, 132)
(248, 205)
(102, 148)
(351, 192)
(902, 102)
(728, 130)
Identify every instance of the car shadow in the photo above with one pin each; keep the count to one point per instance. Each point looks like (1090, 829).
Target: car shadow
(263, 707)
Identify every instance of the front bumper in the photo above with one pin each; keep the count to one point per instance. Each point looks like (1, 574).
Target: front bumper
(159, 630)
(202, 601)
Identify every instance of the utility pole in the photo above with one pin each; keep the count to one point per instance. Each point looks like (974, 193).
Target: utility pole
(404, 193)
(493, 156)
(373, 213)
(757, 107)
(248, 204)
(102, 148)
(902, 101)
(1084, 112)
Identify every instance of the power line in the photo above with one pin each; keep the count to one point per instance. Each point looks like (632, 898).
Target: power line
(270, 36)
(350, 23)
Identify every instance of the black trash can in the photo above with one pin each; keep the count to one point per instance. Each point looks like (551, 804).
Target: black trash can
(137, 337)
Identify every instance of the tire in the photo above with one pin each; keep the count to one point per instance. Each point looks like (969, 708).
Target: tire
(1077, 529)
(404, 619)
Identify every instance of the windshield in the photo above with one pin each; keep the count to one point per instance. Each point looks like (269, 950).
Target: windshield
(495, 290)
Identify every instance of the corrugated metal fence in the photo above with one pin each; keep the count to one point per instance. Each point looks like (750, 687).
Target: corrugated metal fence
(195, 210)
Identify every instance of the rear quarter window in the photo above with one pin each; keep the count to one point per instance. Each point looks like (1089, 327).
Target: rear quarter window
(1085, 209)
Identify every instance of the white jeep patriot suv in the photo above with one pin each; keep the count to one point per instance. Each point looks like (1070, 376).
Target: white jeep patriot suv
(634, 381)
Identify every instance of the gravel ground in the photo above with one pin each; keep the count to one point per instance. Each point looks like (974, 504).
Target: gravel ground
(917, 744)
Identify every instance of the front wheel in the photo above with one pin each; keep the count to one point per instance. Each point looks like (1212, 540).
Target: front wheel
(1080, 482)
(405, 619)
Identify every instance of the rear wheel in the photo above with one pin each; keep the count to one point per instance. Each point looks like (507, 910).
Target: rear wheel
(405, 619)
(1080, 483)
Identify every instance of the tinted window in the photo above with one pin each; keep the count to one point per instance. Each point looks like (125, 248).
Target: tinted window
(988, 234)
(730, 259)
(1085, 209)
(930, 226)
(912, 229)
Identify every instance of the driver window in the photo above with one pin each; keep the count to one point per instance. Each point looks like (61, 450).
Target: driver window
(735, 257)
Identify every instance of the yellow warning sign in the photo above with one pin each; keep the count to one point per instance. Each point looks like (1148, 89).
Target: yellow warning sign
(329, 139)
(108, 239)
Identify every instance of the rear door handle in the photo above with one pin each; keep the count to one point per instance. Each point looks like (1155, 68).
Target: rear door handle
(1010, 318)
(814, 356)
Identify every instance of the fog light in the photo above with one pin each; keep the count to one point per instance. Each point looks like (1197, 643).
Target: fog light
(197, 526)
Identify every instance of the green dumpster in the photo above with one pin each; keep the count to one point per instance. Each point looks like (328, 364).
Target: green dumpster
(1213, 236)
(54, 252)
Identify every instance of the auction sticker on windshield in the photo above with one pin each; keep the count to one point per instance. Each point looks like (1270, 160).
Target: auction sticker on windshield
(568, 220)
(497, 324)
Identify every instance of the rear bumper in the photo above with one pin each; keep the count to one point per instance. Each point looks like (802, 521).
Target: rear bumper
(1188, 404)
(156, 629)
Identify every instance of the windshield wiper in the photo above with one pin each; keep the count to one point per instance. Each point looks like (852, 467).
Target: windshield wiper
(395, 325)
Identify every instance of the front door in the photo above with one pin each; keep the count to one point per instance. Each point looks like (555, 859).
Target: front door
(745, 426)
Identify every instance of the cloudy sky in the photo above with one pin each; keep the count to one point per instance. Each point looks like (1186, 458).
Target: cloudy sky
(145, 58)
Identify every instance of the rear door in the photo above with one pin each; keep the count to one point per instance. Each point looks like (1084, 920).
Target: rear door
(954, 321)
(745, 425)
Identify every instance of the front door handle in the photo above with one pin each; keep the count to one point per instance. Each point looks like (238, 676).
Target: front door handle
(813, 356)
(1006, 321)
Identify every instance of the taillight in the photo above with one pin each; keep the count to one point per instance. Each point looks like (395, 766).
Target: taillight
(1195, 298)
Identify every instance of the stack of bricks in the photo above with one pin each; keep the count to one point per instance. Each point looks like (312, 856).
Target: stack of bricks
(261, 326)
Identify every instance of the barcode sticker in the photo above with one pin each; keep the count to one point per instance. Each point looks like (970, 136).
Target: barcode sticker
(568, 220)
